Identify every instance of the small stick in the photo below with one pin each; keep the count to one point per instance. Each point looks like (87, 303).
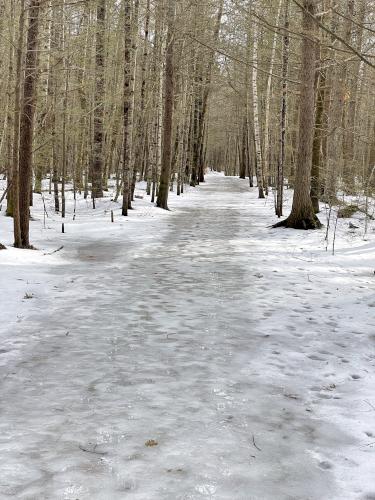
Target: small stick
(93, 450)
(44, 205)
(254, 443)
(368, 402)
(112, 219)
(334, 235)
(62, 228)
(44, 212)
(75, 206)
(54, 251)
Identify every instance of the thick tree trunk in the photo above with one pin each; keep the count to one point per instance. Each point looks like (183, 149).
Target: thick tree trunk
(302, 215)
(16, 129)
(162, 200)
(27, 121)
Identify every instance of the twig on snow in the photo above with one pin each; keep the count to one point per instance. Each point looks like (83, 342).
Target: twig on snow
(255, 445)
(370, 404)
(92, 449)
(54, 251)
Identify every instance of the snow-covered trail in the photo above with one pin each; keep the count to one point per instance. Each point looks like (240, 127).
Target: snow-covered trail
(208, 363)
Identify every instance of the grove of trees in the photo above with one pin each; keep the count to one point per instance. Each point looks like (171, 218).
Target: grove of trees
(108, 92)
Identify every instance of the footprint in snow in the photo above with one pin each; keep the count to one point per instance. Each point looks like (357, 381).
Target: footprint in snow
(325, 465)
(315, 357)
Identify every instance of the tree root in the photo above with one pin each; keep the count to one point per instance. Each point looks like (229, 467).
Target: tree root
(305, 223)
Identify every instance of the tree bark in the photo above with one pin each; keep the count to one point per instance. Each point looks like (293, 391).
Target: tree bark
(258, 148)
(162, 200)
(315, 192)
(267, 131)
(281, 162)
(335, 137)
(127, 117)
(7, 134)
(98, 157)
(141, 132)
(27, 121)
(302, 215)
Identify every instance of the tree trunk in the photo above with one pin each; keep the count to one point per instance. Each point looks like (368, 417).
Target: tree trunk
(27, 121)
(133, 171)
(140, 143)
(207, 87)
(16, 131)
(335, 136)
(242, 173)
(258, 148)
(9, 116)
(162, 200)
(315, 191)
(350, 108)
(97, 161)
(281, 162)
(302, 215)
(127, 108)
(267, 131)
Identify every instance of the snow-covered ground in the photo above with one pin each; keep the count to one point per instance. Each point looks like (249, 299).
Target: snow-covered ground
(189, 354)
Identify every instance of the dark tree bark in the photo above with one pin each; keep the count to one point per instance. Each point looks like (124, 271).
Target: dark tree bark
(302, 215)
(16, 130)
(165, 174)
(98, 157)
(27, 121)
(127, 108)
(281, 162)
(9, 115)
(141, 131)
(197, 110)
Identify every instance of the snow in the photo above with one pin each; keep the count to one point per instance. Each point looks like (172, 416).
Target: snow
(196, 353)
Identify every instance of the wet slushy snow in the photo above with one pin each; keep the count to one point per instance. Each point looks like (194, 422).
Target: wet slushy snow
(189, 355)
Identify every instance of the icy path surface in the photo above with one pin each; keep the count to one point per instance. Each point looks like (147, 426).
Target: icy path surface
(214, 361)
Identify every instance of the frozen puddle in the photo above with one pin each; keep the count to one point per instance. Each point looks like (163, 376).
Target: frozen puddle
(208, 363)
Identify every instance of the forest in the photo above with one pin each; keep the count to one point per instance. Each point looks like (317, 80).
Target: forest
(187, 236)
